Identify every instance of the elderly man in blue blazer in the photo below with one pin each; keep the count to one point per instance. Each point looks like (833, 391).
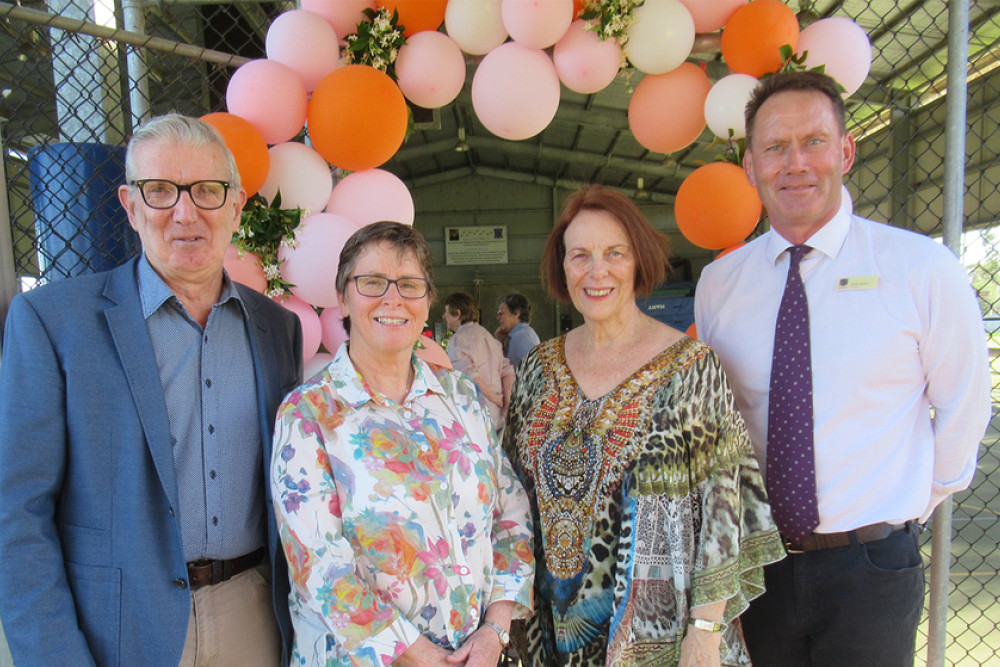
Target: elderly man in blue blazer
(136, 413)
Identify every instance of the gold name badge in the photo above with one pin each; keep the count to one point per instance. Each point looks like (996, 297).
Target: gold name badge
(856, 283)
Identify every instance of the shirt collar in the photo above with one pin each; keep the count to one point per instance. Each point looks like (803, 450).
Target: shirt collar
(154, 292)
(355, 392)
(829, 239)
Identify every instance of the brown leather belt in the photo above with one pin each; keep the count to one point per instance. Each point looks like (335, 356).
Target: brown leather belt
(864, 534)
(211, 572)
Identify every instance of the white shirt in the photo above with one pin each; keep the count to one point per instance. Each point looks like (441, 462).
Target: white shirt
(895, 330)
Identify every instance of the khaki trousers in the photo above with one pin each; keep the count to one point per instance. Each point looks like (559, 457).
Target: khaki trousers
(232, 624)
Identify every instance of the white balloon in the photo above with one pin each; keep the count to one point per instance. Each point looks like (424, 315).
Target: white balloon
(725, 104)
(661, 37)
(302, 176)
(842, 47)
(475, 25)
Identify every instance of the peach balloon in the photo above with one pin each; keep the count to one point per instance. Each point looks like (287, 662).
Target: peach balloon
(416, 15)
(318, 363)
(667, 111)
(311, 266)
(311, 329)
(304, 41)
(247, 146)
(357, 117)
(373, 195)
(271, 96)
(661, 37)
(432, 353)
(334, 333)
(301, 175)
(710, 15)
(754, 35)
(342, 15)
(430, 69)
(584, 62)
(515, 91)
(841, 46)
(716, 207)
(537, 24)
(475, 25)
(725, 104)
(246, 269)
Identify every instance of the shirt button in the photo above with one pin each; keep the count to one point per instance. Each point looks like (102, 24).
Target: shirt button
(461, 570)
(170, 511)
(180, 583)
(208, 382)
(215, 521)
(443, 486)
(212, 474)
(211, 429)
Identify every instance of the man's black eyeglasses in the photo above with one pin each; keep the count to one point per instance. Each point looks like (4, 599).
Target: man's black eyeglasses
(159, 193)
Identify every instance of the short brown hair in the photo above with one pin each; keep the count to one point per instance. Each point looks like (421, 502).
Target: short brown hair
(794, 81)
(464, 303)
(649, 246)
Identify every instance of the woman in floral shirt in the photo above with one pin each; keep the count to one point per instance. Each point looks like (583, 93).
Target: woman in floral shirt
(406, 532)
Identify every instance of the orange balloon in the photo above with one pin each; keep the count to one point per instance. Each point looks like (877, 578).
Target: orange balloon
(247, 146)
(692, 331)
(417, 15)
(357, 117)
(754, 35)
(729, 250)
(577, 8)
(716, 207)
(667, 111)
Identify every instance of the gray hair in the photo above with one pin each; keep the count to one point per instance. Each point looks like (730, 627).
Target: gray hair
(177, 129)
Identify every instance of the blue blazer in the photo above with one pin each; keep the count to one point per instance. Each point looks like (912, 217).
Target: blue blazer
(91, 565)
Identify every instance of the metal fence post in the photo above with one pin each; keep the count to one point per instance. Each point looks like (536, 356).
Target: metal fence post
(952, 223)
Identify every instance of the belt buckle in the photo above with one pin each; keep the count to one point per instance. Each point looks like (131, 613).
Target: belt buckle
(791, 548)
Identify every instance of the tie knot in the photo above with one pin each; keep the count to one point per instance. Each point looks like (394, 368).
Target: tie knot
(797, 252)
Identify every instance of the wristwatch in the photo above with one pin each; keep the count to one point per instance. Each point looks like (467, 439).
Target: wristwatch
(503, 634)
(706, 625)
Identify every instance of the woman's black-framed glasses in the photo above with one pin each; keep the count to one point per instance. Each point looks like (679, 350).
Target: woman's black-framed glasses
(160, 193)
(375, 286)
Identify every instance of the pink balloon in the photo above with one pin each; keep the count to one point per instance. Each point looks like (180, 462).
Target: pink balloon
(301, 175)
(584, 62)
(667, 111)
(334, 333)
(536, 24)
(311, 328)
(475, 25)
(311, 266)
(245, 269)
(433, 353)
(515, 91)
(304, 41)
(342, 15)
(430, 69)
(373, 195)
(318, 363)
(842, 47)
(269, 95)
(710, 15)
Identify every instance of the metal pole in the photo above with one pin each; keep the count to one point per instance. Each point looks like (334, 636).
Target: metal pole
(8, 275)
(134, 21)
(952, 221)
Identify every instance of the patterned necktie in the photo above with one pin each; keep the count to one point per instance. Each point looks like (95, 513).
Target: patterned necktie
(791, 468)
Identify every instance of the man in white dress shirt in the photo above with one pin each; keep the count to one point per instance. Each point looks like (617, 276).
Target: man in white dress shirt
(900, 384)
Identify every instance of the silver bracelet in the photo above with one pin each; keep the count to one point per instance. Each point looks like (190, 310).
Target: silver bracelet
(706, 625)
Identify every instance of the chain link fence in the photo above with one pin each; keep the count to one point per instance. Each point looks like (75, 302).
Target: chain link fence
(75, 77)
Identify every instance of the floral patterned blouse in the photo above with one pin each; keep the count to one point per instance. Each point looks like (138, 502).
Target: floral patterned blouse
(397, 519)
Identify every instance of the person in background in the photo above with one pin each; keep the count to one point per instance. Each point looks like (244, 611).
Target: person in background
(407, 533)
(517, 336)
(474, 351)
(858, 358)
(651, 522)
(136, 411)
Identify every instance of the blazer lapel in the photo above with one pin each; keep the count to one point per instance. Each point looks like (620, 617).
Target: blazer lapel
(131, 338)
